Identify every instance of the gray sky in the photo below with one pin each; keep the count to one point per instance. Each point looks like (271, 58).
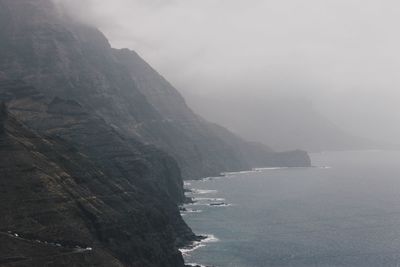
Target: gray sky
(341, 54)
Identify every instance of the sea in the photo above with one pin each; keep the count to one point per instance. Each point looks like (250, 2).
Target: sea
(343, 211)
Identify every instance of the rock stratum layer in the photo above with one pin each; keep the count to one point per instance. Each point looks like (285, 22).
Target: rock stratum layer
(93, 142)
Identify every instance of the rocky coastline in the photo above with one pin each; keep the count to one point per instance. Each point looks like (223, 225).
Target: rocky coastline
(95, 148)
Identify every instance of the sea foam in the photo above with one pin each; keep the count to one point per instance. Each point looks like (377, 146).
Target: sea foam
(203, 191)
(198, 244)
(187, 211)
(209, 199)
(195, 264)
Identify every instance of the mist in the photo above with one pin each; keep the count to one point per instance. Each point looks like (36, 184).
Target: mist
(225, 56)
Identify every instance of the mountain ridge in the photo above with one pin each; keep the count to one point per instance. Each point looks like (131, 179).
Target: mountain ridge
(75, 61)
(282, 121)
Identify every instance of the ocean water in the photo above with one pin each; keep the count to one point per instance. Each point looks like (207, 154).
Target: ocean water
(344, 212)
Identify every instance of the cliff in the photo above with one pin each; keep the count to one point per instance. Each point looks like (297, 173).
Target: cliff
(58, 199)
(66, 59)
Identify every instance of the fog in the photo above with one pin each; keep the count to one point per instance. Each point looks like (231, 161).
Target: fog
(339, 56)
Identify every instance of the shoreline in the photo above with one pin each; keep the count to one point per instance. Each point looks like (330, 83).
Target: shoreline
(194, 198)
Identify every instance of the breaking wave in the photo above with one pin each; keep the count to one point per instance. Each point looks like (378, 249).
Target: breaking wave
(198, 244)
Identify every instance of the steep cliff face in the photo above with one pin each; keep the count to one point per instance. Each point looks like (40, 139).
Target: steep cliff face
(117, 155)
(60, 199)
(66, 59)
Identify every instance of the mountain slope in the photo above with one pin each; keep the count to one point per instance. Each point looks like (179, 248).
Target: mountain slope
(66, 59)
(283, 122)
(55, 189)
(117, 155)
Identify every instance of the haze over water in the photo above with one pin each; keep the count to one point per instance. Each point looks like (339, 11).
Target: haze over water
(345, 215)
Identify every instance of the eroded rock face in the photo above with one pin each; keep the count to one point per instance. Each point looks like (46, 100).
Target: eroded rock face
(117, 155)
(55, 189)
